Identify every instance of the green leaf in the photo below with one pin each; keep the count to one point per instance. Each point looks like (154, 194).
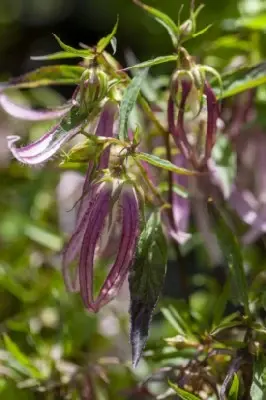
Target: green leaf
(103, 43)
(202, 31)
(21, 358)
(43, 237)
(220, 305)
(240, 80)
(183, 394)
(146, 280)
(163, 19)
(234, 389)
(161, 163)
(44, 76)
(155, 61)
(128, 101)
(84, 53)
(178, 319)
(257, 22)
(258, 387)
(225, 163)
(54, 56)
(178, 189)
(231, 250)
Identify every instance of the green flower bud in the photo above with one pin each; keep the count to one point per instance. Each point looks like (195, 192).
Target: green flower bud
(186, 29)
(93, 87)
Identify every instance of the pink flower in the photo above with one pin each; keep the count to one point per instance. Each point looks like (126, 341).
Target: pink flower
(106, 203)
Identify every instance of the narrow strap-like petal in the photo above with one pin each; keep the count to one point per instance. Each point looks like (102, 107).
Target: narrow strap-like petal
(181, 206)
(126, 250)
(98, 213)
(21, 112)
(106, 128)
(213, 113)
(72, 249)
(44, 148)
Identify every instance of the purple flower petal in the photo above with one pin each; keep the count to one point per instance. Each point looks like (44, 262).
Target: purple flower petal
(44, 148)
(126, 250)
(21, 112)
(95, 224)
(213, 113)
(106, 128)
(73, 247)
(245, 204)
(181, 206)
(186, 88)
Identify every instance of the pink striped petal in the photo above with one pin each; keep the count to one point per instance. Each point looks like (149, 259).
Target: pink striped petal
(181, 206)
(213, 114)
(99, 212)
(106, 128)
(73, 248)
(44, 148)
(21, 112)
(126, 251)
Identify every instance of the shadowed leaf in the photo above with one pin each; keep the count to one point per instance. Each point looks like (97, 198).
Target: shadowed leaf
(231, 250)
(145, 282)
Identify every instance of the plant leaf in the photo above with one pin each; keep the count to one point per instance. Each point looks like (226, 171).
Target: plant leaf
(155, 61)
(258, 387)
(257, 22)
(162, 163)
(84, 53)
(163, 19)
(21, 358)
(44, 76)
(234, 389)
(231, 250)
(146, 280)
(103, 43)
(54, 56)
(183, 394)
(128, 101)
(240, 80)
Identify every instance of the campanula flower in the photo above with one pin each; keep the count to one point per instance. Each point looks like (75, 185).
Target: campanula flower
(106, 202)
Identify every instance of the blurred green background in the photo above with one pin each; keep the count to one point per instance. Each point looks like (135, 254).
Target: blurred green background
(53, 348)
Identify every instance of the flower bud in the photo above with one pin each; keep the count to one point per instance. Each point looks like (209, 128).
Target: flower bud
(186, 29)
(93, 88)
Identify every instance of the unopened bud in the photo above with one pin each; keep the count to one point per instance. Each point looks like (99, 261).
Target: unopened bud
(93, 88)
(186, 29)
(85, 151)
(96, 86)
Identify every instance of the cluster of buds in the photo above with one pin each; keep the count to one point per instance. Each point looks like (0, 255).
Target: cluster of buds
(193, 113)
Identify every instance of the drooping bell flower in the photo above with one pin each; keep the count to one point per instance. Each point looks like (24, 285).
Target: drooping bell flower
(108, 202)
(86, 104)
(192, 118)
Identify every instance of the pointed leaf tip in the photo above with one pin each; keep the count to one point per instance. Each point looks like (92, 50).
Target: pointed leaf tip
(103, 43)
(128, 101)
